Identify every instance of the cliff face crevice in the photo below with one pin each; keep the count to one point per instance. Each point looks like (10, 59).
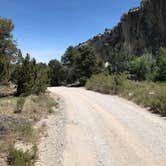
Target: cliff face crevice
(140, 28)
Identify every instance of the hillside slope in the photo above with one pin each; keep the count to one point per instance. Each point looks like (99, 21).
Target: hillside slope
(140, 28)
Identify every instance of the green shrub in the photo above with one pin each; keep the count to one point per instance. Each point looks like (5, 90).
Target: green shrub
(142, 67)
(24, 129)
(101, 83)
(50, 110)
(161, 64)
(147, 94)
(158, 101)
(118, 81)
(20, 158)
(106, 83)
(30, 77)
(20, 104)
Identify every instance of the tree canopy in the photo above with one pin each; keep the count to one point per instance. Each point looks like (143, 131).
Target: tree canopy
(8, 49)
(81, 63)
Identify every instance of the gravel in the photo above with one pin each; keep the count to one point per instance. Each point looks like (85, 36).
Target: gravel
(102, 130)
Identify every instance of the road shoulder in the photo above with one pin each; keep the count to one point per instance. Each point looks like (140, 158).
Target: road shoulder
(50, 148)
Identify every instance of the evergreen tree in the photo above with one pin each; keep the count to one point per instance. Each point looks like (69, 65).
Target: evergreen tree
(119, 61)
(86, 64)
(8, 50)
(70, 56)
(41, 78)
(161, 64)
(30, 77)
(80, 62)
(69, 61)
(56, 72)
(144, 67)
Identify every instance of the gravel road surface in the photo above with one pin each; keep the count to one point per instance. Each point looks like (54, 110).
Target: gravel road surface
(104, 130)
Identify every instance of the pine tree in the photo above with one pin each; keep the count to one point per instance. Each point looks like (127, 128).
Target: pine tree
(30, 77)
(8, 50)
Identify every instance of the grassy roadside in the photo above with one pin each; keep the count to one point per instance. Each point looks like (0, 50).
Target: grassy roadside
(18, 137)
(147, 94)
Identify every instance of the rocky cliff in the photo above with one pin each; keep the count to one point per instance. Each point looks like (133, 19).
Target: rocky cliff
(140, 28)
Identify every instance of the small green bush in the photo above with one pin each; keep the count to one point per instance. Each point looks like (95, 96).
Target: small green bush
(100, 83)
(20, 104)
(24, 129)
(20, 158)
(158, 101)
(106, 83)
(50, 110)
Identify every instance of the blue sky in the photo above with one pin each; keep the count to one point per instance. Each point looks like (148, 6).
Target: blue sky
(45, 28)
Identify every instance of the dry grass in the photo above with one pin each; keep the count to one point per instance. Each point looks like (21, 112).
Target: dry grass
(17, 118)
(148, 94)
(7, 90)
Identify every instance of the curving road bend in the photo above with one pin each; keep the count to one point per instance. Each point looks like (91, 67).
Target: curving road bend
(104, 130)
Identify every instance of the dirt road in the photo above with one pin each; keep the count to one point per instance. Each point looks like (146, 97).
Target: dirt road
(103, 130)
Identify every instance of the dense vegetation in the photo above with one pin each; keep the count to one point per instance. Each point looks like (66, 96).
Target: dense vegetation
(148, 94)
(77, 65)
(31, 77)
(81, 63)
(8, 50)
(28, 76)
